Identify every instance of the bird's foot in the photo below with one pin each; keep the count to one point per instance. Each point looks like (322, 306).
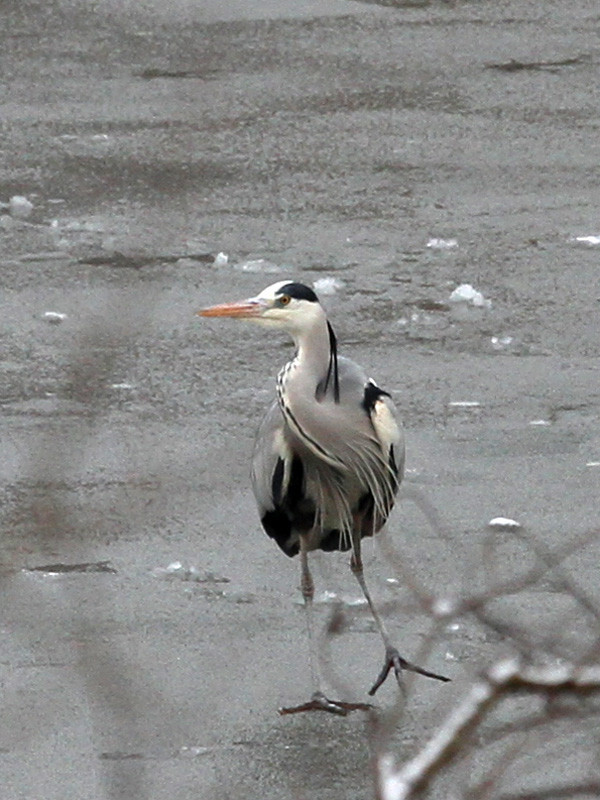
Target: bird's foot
(318, 702)
(393, 660)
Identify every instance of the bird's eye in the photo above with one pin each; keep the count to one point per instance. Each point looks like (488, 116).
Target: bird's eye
(284, 300)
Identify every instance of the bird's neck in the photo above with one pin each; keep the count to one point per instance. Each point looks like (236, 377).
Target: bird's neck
(313, 348)
(315, 365)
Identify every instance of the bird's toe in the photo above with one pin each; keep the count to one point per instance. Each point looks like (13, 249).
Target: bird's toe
(393, 660)
(319, 702)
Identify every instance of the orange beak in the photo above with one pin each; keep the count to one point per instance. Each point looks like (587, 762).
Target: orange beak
(246, 309)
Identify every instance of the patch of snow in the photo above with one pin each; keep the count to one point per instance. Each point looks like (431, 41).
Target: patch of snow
(501, 342)
(328, 286)
(504, 522)
(20, 207)
(442, 244)
(54, 317)
(221, 260)
(465, 293)
(258, 265)
(591, 240)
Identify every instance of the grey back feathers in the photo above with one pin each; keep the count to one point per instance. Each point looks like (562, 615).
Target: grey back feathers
(327, 466)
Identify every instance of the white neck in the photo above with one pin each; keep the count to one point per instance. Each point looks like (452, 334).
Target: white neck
(313, 348)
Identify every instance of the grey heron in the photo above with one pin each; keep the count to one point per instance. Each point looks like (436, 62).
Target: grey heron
(328, 457)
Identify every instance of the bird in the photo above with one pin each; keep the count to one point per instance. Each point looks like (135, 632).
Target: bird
(328, 458)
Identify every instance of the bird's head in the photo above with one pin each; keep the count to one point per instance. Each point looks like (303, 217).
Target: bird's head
(292, 307)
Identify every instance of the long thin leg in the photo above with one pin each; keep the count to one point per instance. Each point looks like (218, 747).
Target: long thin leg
(319, 701)
(393, 659)
(307, 587)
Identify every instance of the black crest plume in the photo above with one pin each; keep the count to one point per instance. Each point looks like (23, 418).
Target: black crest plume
(332, 376)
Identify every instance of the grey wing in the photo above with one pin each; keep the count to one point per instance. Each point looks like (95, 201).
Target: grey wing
(375, 423)
(265, 457)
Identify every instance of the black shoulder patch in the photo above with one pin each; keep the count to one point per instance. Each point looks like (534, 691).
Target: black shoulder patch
(295, 489)
(279, 527)
(293, 512)
(372, 395)
(299, 292)
(277, 481)
(333, 540)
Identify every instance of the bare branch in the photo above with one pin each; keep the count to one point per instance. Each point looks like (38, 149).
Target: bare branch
(510, 674)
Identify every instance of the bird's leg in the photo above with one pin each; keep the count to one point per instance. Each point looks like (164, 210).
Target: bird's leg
(319, 701)
(393, 659)
(307, 587)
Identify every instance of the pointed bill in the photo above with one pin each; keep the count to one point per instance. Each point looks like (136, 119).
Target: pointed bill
(244, 309)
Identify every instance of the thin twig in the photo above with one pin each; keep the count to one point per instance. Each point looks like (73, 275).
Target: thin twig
(504, 676)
